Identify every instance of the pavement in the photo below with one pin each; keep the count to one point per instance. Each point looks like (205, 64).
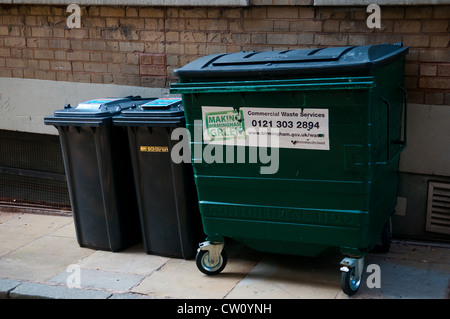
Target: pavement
(40, 258)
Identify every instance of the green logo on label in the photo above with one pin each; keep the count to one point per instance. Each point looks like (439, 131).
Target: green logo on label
(225, 125)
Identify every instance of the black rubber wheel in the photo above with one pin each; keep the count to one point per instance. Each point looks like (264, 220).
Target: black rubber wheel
(384, 244)
(386, 237)
(202, 262)
(349, 284)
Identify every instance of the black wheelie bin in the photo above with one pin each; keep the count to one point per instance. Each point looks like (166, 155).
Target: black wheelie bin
(167, 198)
(99, 174)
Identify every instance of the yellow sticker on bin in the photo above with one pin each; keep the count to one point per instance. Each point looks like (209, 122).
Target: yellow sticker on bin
(155, 149)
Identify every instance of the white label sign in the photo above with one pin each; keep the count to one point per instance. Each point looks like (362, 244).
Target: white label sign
(294, 128)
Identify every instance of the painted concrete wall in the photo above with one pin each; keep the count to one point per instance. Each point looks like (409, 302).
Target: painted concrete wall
(428, 138)
(25, 102)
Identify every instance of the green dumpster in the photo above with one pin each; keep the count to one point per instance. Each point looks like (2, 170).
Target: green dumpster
(296, 151)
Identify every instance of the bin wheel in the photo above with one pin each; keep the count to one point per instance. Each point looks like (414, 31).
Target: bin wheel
(384, 244)
(386, 237)
(203, 263)
(349, 284)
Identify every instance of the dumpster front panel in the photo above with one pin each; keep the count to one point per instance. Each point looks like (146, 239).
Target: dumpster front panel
(308, 192)
(311, 189)
(348, 134)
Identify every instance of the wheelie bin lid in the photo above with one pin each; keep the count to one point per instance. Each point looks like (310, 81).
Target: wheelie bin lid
(95, 112)
(159, 112)
(302, 62)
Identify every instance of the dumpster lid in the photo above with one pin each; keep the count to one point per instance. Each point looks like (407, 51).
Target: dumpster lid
(324, 54)
(301, 62)
(159, 112)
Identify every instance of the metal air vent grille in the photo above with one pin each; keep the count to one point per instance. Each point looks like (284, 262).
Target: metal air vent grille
(438, 211)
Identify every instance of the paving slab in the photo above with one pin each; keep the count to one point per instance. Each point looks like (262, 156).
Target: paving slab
(129, 296)
(181, 279)
(21, 229)
(4, 216)
(65, 231)
(6, 285)
(100, 279)
(290, 277)
(409, 272)
(404, 280)
(133, 260)
(42, 259)
(35, 251)
(31, 290)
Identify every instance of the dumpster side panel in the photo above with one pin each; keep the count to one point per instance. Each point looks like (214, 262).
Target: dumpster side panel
(388, 113)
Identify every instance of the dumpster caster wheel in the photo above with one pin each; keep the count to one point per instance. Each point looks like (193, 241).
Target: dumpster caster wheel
(384, 243)
(208, 266)
(386, 237)
(351, 276)
(349, 283)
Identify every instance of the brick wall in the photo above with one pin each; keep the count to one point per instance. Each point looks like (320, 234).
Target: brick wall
(141, 46)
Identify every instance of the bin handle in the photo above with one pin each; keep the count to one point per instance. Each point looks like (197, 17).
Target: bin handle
(388, 142)
(390, 159)
(402, 143)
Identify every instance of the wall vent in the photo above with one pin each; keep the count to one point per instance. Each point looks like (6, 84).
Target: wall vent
(438, 211)
(32, 171)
